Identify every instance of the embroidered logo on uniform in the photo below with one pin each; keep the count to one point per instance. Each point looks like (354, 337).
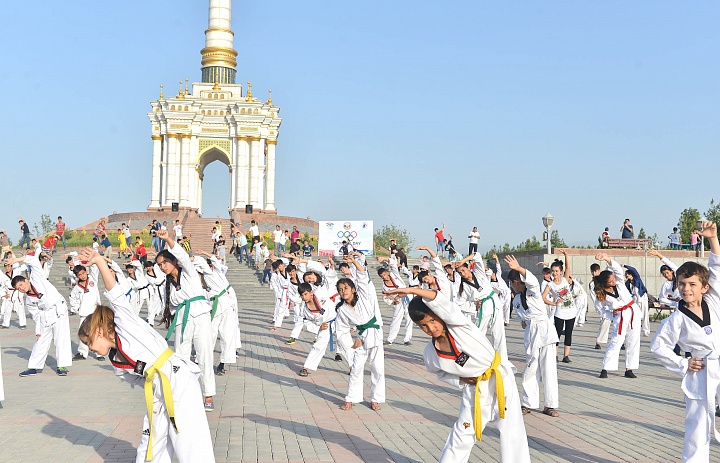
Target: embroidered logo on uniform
(146, 432)
(708, 330)
(175, 369)
(139, 367)
(462, 359)
(466, 425)
(91, 284)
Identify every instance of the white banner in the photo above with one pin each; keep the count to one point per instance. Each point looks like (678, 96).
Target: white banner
(358, 233)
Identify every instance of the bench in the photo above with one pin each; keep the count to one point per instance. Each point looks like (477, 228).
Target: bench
(627, 243)
(659, 309)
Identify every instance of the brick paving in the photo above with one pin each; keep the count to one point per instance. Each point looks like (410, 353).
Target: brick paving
(266, 413)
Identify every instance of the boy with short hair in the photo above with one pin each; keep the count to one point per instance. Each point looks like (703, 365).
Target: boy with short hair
(695, 327)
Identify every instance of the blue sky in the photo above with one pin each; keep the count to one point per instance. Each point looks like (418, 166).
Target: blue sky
(472, 113)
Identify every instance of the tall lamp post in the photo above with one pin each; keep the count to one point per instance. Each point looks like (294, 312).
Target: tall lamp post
(702, 239)
(548, 223)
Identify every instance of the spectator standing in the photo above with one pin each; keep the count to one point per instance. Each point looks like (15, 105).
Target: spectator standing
(128, 236)
(242, 247)
(106, 245)
(627, 230)
(177, 229)
(440, 241)
(295, 235)
(100, 229)
(25, 231)
(605, 237)
(675, 239)
(254, 230)
(307, 249)
(60, 231)
(163, 227)
(694, 240)
(154, 227)
(393, 245)
(474, 236)
(4, 243)
(279, 240)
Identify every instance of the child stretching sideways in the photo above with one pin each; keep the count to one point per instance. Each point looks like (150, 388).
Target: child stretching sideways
(461, 355)
(695, 327)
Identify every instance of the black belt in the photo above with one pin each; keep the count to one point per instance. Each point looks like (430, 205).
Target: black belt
(144, 287)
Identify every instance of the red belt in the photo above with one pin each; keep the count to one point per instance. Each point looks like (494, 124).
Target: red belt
(632, 316)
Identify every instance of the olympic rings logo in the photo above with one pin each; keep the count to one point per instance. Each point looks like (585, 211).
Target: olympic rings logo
(348, 235)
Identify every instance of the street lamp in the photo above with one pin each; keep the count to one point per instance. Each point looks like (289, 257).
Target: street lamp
(699, 224)
(548, 223)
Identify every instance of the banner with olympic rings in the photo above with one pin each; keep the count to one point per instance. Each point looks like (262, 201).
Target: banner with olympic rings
(357, 233)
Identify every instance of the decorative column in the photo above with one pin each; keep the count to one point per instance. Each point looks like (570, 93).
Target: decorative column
(193, 202)
(185, 169)
(164, 170)
(254, 171)
(156, 159)
(173, 170)
(270, 176)
(242, 172)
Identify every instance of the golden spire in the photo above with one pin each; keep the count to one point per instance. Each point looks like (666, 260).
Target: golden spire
(162, 96)
(249, 96)
(180, 95)
(269, 101)
(186, 86)
(216, 87)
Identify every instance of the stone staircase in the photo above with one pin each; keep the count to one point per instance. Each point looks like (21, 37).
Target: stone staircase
(200, 231)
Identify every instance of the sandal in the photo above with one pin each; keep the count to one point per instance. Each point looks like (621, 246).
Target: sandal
(374, 406)
(525, 410)
(304, 372)
(550, 412)
(347, 406)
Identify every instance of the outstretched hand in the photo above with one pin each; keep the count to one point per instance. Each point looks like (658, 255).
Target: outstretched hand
(602, 256)
(90, 256)
(512, 262)
(709, 230)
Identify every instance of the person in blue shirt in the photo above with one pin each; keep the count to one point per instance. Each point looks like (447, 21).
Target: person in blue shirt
(637, 288)
(627, 230)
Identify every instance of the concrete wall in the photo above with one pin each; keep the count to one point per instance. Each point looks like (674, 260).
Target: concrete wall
(581, 259)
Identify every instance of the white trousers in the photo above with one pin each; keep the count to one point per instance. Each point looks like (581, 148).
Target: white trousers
(376, 355)
(541, 366)
(603, 331)
(59, 333)
(8, 307)
(513, 439)
(400, 317)
(299, 321)
(630, 337)
(155, 305)
(644, 315)
(698, 431)
(491, 321)
(198, 332)
(281, 311)
(506, 311)
(318, 350)
(224, 326)
(193, 443)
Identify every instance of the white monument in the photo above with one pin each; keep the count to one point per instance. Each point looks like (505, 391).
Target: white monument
(214, 122)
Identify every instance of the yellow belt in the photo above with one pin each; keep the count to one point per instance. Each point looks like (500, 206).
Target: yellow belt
(167, 396)
(499, 392)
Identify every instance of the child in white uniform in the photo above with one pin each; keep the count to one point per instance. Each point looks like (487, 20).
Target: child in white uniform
(540, 339)
(50, 313)
(359, 310)
(319, 313)
(191, 323)
(616, 301)
(391, 280)
(695, 327)
(461, 355)
(668, 295)
(175, 424)
(84, 297)
(12, 301)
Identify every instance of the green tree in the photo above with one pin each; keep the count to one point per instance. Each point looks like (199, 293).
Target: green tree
(556, 241)
(687, 223)
(713, 213)
(530, 244)
(402, 237)
(641, 234)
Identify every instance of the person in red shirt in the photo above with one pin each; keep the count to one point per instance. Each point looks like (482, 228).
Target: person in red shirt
(100, 229)
(49, 244)
(295, 235)
(60, 231)
(440, 241)
(140, 250)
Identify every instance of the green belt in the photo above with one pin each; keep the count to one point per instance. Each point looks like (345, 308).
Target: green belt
(216, 300)
(184, 304)
(480, 309)
(371, 324)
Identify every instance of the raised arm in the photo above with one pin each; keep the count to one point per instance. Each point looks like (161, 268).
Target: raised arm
(429, 251)
(567, 273)
(93, 258)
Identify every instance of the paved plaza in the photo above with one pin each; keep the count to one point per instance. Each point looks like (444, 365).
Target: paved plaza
(265, 412)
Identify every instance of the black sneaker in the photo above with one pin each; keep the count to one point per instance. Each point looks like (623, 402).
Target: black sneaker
(623, 347)
(603, 374)
(338, 358)
(406, 343)
(100, 358)
(62, 371)
(220, 371)
(78, 356)
(566, 359)
(290, 341)
(597, 346)
(630, 374)
(28, 372)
